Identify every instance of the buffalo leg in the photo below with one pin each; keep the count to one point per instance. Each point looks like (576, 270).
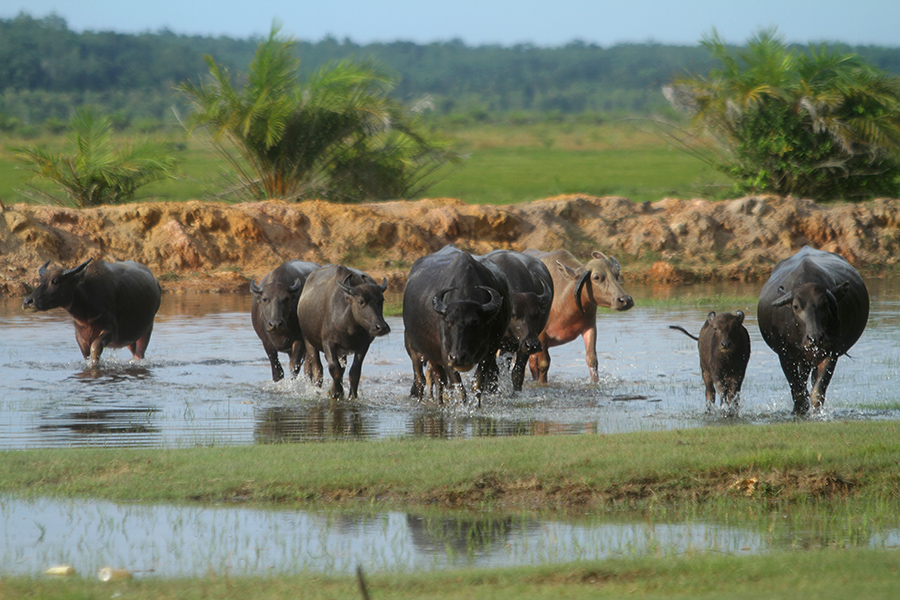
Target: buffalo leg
(419, 381)
(823, 373)
(336, 369)
(298, 353)
(139, 348)
(797, 373)
(518, 371)
(277, 370)
(314, 363)
(590, 351)
(710, 391)
(355, 372)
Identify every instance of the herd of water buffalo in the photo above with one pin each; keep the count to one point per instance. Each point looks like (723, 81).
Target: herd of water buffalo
(460, 311)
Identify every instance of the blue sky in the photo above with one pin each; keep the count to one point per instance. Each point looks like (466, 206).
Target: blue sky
(505, 22)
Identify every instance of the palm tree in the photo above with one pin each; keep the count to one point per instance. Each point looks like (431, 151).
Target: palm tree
(91, 171)
(821, 124)
(336, 135)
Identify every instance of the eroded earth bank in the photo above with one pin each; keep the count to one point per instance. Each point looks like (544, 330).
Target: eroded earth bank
(205, 246)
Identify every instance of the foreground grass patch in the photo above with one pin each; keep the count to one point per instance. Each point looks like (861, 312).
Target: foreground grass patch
(823, 575)
(783, 463)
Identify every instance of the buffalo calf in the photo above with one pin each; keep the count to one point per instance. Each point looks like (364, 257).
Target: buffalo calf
(340, 313)
(112, 304)
(724, 346)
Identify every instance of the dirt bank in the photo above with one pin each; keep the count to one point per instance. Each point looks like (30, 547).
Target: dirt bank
(204, 246)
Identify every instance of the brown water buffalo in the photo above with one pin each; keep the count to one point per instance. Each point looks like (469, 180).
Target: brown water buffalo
(112, 304)
(456, 310)
(812, 310)
(724, 346)
(340, 313)
(531, 295)
(578, 289)
(273, 313)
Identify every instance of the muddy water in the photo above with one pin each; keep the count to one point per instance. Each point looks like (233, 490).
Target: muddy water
(206, 381)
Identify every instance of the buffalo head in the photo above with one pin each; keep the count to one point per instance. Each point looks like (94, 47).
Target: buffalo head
(367, 304)
(56, 287)
(276, 302)
(463, 326)
(604, 275)
(815, 310)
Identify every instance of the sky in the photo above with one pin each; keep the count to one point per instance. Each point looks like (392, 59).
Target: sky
(478, 22)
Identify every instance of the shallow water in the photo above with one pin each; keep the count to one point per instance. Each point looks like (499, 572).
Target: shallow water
(167, 541)
(206, 381)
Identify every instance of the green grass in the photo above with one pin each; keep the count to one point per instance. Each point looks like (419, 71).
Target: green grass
(824, 575)
(505, 164)
(795, 462)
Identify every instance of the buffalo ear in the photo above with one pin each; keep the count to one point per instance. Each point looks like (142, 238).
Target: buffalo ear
(566, 271)
(740, 316)
(841, 290)
(785, 299)
(711, 316)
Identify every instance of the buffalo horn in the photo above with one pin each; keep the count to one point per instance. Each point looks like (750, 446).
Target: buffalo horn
(43, 269)
(786, 299)
(383, 285)
(76, 270)
(345, 285)
(437, 301)
(546, 296)
(494, 303)
(581, 281)
(296, 286)
(254, 287)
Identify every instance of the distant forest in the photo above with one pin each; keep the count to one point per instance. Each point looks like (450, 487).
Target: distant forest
(47, 71)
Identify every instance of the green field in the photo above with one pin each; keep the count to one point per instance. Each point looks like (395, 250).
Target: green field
(504, 164)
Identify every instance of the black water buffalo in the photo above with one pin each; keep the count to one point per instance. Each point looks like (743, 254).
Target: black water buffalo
(456, 311)
(340, 313)
(531, 295)
(812, 310)
(112, 304)
(724, 345)
(273, 313)
(578, 289)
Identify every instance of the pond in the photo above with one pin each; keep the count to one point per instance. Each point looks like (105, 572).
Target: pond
(173, 541)
(206, 381)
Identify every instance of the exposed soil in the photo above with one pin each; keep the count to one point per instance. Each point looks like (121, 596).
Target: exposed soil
(212, 247)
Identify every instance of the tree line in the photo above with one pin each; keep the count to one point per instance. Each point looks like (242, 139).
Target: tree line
(48, 70)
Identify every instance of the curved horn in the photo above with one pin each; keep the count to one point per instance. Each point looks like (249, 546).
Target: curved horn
(43, 269)
(786, 299)
(296, 286)
(546, 296)
(437, 301)
(581, 281)
(740, 316)
(383, 285)
(254, 287)
(345, 285)
(494, 303)
(76, 270)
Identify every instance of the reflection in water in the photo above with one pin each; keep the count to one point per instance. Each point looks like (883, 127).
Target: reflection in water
(177, 541)
(205, 381)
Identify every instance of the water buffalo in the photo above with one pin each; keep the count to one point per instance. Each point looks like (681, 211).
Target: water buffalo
(340, 312)
(456, 311)
(724, 346)
(577, 292)
(812, 310)
(112, 304)
(273, 313)
(531, 295)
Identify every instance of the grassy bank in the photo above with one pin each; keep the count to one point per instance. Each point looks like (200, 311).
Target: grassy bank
(824, 575)
(794, 462)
